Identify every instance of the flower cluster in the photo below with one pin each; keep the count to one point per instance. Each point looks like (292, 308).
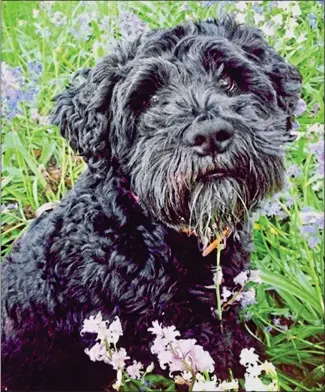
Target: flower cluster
(16, 90)
(180, 355)
(255, 367)
(131, 25)
(247, 297)
(184, 356)
(105, 348)
(312, 222)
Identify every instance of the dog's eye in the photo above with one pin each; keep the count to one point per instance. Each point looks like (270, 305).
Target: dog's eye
(227, 83)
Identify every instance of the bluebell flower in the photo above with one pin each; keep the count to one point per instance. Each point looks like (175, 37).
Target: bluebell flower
(259, 9)
(312, 224)
(318, 150)
(15, 88)
(131, 25)
(312, 20)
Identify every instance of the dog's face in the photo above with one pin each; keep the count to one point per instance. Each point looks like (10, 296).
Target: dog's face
(195, 117)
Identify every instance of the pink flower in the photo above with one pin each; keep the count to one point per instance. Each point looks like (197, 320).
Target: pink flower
(201, 360)
(134, 370)
(181, 354)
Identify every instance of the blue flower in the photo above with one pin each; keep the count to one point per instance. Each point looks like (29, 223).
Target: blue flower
(258, 8)
(16, 89)
(312, 20)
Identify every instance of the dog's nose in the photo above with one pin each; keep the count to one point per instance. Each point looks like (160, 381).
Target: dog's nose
(207, 138)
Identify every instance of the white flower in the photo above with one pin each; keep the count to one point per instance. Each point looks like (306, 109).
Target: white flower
(267, 30)
(170, 334)
(134, 371)
(202, 385)
(114, 331)
(295, 9)
(228, 385)
(315, 128)
(178, 354)
(187, 376)
(253, 384)
(248, 357)
(225, 294)
(240, 18)
(199, 358)
(255, 276)
(284, 5)
(156, 329)
(241, 278)
(301, 38)
(97, 325)
(241, 6)
(37, 117)
(35, 13)
(150, 368)
(248, 298)
(119, 379)
(118, 359)
(277, 19)
(97, 353)
(258, 18)
(268, 367)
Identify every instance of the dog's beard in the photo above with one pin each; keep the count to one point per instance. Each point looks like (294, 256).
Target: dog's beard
(179, 191)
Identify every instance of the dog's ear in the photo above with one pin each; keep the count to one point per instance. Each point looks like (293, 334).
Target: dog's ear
(285, 78)
(82, 111)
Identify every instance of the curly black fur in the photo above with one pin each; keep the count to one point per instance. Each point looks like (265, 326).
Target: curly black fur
(101, 250)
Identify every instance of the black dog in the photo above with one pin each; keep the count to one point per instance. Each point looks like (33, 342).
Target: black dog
(182, 130)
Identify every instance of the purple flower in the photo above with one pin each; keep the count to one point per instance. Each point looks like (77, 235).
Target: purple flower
(271, 208)
(15, 88)
(312, 223)
(82, 29)
(294, 171)
(268, 328)
(35, 68)
(318, 150)
(58, 19)
(131, 25)
(300, 108)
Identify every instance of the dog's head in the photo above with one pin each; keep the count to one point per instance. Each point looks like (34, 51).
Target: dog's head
(195, 117)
